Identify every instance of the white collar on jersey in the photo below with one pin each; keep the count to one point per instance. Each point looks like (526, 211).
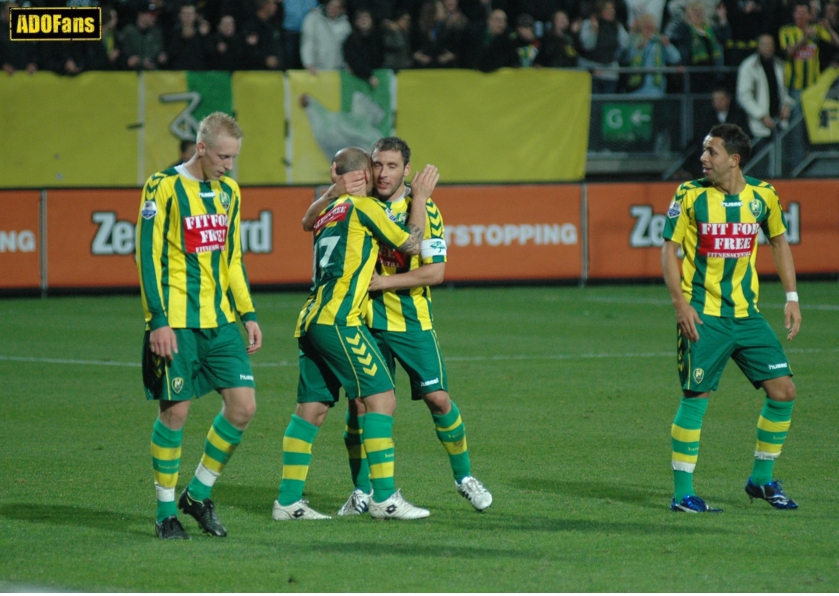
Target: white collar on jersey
(181, 169)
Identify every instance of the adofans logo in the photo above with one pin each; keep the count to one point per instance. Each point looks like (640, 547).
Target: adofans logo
(55, 24)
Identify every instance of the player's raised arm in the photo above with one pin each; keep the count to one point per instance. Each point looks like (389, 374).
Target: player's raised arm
(422, 187)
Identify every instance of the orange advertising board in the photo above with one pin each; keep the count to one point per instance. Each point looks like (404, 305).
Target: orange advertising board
(626, 222)
(522, 232)
(91, 236)
(288, 257)
(20, 240)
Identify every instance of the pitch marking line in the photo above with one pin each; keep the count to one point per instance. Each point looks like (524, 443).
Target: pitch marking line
(665, 302)
(498, 358)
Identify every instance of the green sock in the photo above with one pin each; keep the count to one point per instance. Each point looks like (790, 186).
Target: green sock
(221, 442)
(452, 434)
(297, 455)
(378, 442)
(359, 468)
(166, 460)
(685, 444)
(772, 427)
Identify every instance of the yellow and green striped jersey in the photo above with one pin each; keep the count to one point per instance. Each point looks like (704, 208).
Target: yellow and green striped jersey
(802, 70)
(346, 245)
(718, 234)
(407, 310)
(189, 252)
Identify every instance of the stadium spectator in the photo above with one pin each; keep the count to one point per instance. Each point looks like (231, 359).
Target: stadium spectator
(188, 45)
(714, 292)
(457, 33)
(557, 49)
(828, 55)
(263, 39)
(800, 45)
(108, 55)
(363, 49)
(636, 8)
(430, 48)
(401, 322)
(799, 42)
(648, 49)
(761, 91)
(542, 12)
(700, 44)
(142, 41)
(677, 12)
(322, 37)
(294, 11)
(331, 320)
(498, 49)
(749, 19)
(396, 41)
(602, 38)
(192, 344)
(527, 45)
(226, 47)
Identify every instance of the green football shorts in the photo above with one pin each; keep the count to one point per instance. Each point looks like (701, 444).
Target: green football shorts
(207, 359)
(333, 356)
(419, 354)
(749, 341)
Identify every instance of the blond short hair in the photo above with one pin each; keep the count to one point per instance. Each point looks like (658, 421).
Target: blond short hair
(216, 125)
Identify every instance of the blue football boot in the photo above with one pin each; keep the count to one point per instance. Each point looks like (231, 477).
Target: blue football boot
(692, 504)
(772, 493)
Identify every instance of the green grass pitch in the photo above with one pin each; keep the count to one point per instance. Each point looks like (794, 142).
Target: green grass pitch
(567, 393)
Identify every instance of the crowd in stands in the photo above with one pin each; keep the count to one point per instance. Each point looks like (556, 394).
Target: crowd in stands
(363, 35)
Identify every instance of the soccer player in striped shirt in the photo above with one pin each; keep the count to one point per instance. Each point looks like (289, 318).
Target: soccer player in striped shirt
(715, 221)
(336, 349)
(194, 286)
(400, 318)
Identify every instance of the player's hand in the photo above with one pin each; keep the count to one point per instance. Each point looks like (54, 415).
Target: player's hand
(254, 336)
(792, 318)
(376, 283)
(687, 318)
(163, 343)
(352, 183)
(424, 182)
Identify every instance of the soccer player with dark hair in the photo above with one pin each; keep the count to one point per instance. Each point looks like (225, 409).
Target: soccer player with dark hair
(193, 285)
(400, 319)
(715, 221)
(337, 350)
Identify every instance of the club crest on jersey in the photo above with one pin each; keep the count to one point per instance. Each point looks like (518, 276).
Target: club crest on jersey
(177, 384)
(225, 199)
(395, 217)
(698, 375)
(149, 210)
(675, 210)
(756, 207)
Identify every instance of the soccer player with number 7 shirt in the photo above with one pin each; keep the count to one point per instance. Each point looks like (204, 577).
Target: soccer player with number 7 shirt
(715, 221)
(336, 348)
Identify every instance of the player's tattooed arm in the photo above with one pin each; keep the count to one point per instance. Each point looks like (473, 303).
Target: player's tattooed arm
(413, 244)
